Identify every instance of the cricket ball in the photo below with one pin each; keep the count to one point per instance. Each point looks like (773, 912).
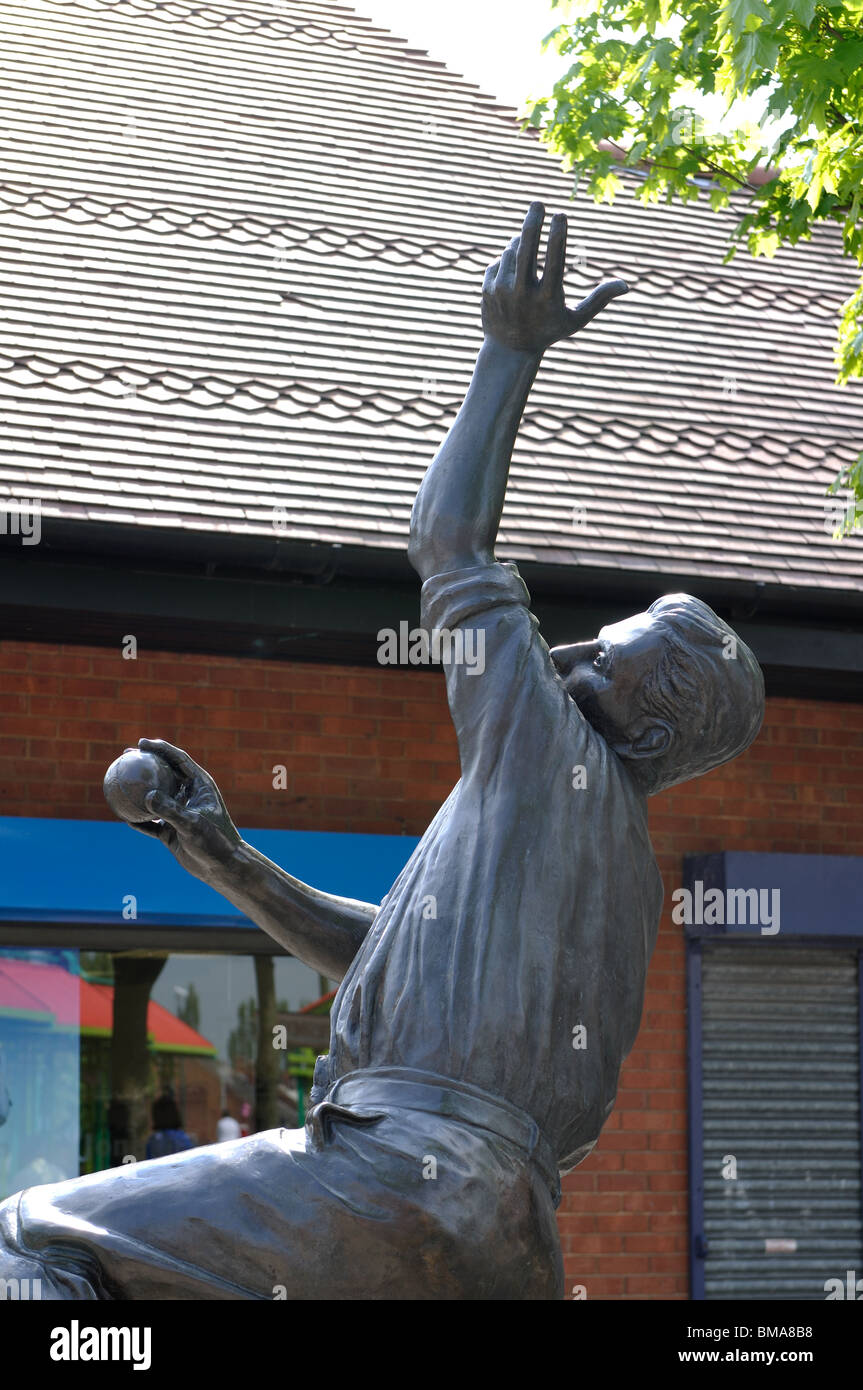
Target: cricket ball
(131, 778)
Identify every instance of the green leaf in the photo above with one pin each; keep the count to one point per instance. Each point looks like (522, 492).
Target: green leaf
(803, 11)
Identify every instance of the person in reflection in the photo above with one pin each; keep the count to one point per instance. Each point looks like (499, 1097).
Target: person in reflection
(488, 1002)
(227, 1128)
(169, 1136)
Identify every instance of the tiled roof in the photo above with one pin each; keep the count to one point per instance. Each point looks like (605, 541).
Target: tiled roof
(241, 249)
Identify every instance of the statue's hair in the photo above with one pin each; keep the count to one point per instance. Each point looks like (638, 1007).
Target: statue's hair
(707, 685)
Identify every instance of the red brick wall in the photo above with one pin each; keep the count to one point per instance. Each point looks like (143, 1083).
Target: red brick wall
(364, 749)
(374, 751)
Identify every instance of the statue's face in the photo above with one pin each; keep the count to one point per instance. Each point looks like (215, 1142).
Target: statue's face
(605, 677)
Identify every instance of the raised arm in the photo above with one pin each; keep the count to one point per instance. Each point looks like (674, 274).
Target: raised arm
(458, 507)
(320, 929)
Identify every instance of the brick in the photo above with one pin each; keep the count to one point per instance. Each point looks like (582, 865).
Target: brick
(656, 1285)
(657, 1245)
(606, 1162)
(625, 1221)
(653, 1162)
(626, 1140)
(141, 690)
(667, 1182)
(644, 1119)
(577, 1223)
(190, 672)
(605, 1244)
(670, 1140)
(662, 1221)
(15, 658)
(27, 726)
(379, 707)
(676, 1264)
(351, 726)
(207, 741)
(658, 1202)
(131, 712)
(620, 1182)
(90, 685)
(580, 1181)
(625, 1263)
(595, 1286)
(51, 660)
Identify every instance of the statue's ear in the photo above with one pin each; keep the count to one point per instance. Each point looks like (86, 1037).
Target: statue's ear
(649, 737)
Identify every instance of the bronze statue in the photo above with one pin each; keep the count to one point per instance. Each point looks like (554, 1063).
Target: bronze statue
(487, 1004)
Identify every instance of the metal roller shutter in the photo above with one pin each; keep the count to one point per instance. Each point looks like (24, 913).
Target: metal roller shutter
(781, 1095)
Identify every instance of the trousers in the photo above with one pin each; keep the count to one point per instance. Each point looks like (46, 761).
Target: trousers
(400, 1186)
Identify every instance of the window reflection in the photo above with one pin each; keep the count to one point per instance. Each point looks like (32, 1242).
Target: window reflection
(108, 1057)
(39, 1067)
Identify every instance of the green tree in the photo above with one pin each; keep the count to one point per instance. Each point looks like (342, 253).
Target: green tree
(242, 1039)
(638, 65)
(190, 1009)
(97, 966)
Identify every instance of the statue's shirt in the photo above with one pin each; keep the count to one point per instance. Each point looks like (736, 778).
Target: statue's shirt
(511, 952)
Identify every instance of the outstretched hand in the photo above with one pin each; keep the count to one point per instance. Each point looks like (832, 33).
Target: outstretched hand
(529, 313)
(194, 825)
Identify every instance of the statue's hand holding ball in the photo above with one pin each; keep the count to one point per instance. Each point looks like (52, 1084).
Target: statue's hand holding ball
(129, 781)
(159, 790)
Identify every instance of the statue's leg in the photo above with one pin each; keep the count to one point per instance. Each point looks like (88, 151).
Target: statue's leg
(27, 1276)
(360, 1214)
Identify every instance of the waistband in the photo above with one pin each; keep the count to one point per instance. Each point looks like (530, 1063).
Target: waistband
(408, 1089)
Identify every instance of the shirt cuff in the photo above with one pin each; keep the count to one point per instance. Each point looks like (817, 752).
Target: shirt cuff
(450, 599)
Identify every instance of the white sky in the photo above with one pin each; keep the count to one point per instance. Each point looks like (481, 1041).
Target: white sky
(498, 45)
(495, 43)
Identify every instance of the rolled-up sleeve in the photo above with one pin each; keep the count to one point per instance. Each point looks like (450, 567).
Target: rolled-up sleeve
(501, 685)
(448, 600)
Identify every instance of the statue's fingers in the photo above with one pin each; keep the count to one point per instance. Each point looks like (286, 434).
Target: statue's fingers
(164, 808)
(528, 245)
(594, 303)
(490, 277)
(174, 757)
(157, 829)
(555, 255)
(506, 274)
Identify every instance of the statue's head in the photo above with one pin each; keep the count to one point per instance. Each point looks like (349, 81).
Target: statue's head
(674, 691)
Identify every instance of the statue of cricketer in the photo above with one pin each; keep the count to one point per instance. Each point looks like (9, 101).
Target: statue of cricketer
(489, 1036)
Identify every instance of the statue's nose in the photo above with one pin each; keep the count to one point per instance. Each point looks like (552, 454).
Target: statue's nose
(566, 657)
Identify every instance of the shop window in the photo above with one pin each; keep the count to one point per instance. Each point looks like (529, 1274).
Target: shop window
(115, 1056)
